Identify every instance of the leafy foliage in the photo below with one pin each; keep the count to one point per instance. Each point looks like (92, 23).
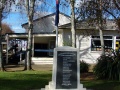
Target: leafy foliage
(108, 66)
(84, 67)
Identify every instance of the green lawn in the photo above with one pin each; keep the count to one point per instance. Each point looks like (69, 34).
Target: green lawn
(102, 85)
(27, 80)
(24, 80)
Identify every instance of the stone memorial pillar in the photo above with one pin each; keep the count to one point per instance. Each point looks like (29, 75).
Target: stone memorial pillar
(66, 70)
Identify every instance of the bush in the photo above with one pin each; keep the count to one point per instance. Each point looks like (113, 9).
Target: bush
(84, 67)
(108, 66)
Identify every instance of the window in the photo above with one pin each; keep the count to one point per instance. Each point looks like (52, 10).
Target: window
(117, 46)
(96, 45)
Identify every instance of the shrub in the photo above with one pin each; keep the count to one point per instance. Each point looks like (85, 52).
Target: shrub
(84, 67)
(108, 66)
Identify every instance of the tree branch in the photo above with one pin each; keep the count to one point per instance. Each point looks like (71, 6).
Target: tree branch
(114, 1)
(109, 12)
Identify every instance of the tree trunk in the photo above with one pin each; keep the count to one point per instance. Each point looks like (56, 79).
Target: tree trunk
(1, 59)
(30, 11)
(29, 47)
(101, 28)
(102, 41)
(73, 23)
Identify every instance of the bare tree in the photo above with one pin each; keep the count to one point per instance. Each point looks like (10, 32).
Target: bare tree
(112, 8)
(6, 29)
(92, 12)
(66, 4)
(100, 26)
(5, 7)
(72, 2)
(30, 4)
(30, 7)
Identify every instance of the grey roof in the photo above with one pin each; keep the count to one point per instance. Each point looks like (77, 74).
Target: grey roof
(33, 33)
(110, 25)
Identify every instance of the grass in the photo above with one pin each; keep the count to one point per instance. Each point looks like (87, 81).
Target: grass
(90, 82)
(25, 80)
(101, 85)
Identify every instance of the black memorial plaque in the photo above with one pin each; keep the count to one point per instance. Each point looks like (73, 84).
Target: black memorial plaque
(66, 76)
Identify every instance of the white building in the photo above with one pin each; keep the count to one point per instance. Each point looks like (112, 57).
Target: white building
(87, 38)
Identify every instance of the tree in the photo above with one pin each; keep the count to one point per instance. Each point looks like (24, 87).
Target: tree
(6, 29)
(4, 8)
(72, 2)
(73, 26)
(30, 6)
(112, 9)
(118, 23)
(92, 12)
(30, 12)
(100, 25)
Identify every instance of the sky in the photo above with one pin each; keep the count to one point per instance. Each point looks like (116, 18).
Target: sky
(15, 19)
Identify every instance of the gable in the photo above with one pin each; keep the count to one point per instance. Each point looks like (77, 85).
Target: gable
(46, 24)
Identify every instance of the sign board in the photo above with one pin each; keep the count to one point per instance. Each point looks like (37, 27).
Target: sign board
(66, 75)
(66, 70)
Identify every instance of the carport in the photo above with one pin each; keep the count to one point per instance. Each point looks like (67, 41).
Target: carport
(42, 44)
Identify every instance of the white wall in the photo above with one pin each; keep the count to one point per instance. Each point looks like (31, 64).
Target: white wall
(83, 43)
(47, 24)
(60, 38)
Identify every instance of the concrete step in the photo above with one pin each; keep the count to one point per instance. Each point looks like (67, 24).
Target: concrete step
(39, 61)
(43, 60)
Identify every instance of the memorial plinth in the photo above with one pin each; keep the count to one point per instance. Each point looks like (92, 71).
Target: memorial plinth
(66, 70)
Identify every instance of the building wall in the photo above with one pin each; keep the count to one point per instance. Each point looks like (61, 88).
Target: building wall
(60, 38)
(47, 24)
(43, 39)
(83, 43)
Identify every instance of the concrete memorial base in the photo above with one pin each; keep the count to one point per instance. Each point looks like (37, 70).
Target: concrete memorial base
(66, 70)
(52, 87)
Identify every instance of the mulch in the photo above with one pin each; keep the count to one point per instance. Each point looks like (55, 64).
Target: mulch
(87, 76)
